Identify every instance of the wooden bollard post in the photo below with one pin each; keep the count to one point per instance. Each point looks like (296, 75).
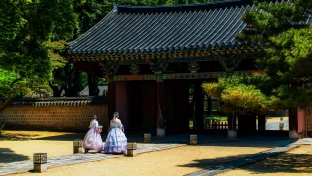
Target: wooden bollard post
(281, 126)
(131, 149)
(40, 162)
(193, 139)
(147, 137)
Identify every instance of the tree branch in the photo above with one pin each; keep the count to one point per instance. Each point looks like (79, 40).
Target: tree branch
(10, 93)
(15, 81)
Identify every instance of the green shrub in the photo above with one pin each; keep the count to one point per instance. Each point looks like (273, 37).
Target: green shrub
(216, 117)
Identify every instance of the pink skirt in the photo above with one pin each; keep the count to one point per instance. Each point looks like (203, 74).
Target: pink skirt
(93, 140)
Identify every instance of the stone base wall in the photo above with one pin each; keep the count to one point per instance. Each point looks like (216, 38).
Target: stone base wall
(54, 118)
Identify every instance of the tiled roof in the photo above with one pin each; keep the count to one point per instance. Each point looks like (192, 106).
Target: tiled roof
(150, 29)
(75, 101)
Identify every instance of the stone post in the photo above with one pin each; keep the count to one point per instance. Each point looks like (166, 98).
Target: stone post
(131, 149)
(40, 162)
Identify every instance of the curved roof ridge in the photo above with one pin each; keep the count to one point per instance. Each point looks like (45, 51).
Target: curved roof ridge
(180, 7)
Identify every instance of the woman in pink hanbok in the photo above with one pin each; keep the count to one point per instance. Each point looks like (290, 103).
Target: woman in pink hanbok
(116, 141)
(93, 139)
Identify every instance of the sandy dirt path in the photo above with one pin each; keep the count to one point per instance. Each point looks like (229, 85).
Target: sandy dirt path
(20, 145)
(178, 161)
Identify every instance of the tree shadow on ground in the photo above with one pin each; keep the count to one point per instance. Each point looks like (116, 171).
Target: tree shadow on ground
(285, 163)
(17, 137)
(216, 140)
(211, 162)
(67, 137)
(63, 137)
(8, 156)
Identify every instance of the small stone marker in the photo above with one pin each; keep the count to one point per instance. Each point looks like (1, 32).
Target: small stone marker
(131, 149)
(78, 146)
(40, 162)
(147, 137)
(193, 139)
(281, 126)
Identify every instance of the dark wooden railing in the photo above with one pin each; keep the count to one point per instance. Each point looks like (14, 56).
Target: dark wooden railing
(213, 125)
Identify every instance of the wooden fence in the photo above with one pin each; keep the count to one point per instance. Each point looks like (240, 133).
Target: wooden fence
(213, 125)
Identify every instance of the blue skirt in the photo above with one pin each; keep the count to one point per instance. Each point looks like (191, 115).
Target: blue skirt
(116, 141)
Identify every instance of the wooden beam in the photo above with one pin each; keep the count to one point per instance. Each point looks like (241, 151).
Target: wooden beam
(170, 76)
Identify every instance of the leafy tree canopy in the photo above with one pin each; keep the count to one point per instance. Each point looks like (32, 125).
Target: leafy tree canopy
(27, 28)
(237, 94)
(285, 32)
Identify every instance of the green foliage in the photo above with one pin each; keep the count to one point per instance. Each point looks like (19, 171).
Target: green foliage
(271, 19)
(27, 53)
(236, 94)
(6, 78)
(159, 2)
(216, 117)
(25, 30)
(283, 29)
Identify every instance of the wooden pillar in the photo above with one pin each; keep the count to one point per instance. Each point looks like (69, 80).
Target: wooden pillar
(160, 107)
(199, 105)
(293, 123)
(170, 105)
(148, 106)
(111, 99)
(232, 131)
(181, 104)
(122, 102)
(247, 124)
(261, 122)
(209, 106)
(177, 106)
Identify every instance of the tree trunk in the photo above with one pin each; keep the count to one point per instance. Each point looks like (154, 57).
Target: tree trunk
(232, 131)
(93, 85)
(57, 91)
(10, 93)
(261, 122)
(293, 123)
(73, 83)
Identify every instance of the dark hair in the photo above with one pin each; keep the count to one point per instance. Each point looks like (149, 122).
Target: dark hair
(93, 116)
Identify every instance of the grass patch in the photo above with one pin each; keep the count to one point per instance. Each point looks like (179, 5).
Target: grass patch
(216, 117)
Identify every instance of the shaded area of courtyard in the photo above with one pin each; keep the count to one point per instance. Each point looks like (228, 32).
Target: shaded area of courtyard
(295, 162)
(211, 150)
(20, 145)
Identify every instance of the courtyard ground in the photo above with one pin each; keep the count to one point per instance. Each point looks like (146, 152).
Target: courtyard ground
(211, 151)
(296, 162)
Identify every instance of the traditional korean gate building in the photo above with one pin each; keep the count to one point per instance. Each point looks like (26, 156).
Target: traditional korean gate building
(150, 55)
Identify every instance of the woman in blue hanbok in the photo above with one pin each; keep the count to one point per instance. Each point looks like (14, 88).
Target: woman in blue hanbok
(116, 141)
(93, 139)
